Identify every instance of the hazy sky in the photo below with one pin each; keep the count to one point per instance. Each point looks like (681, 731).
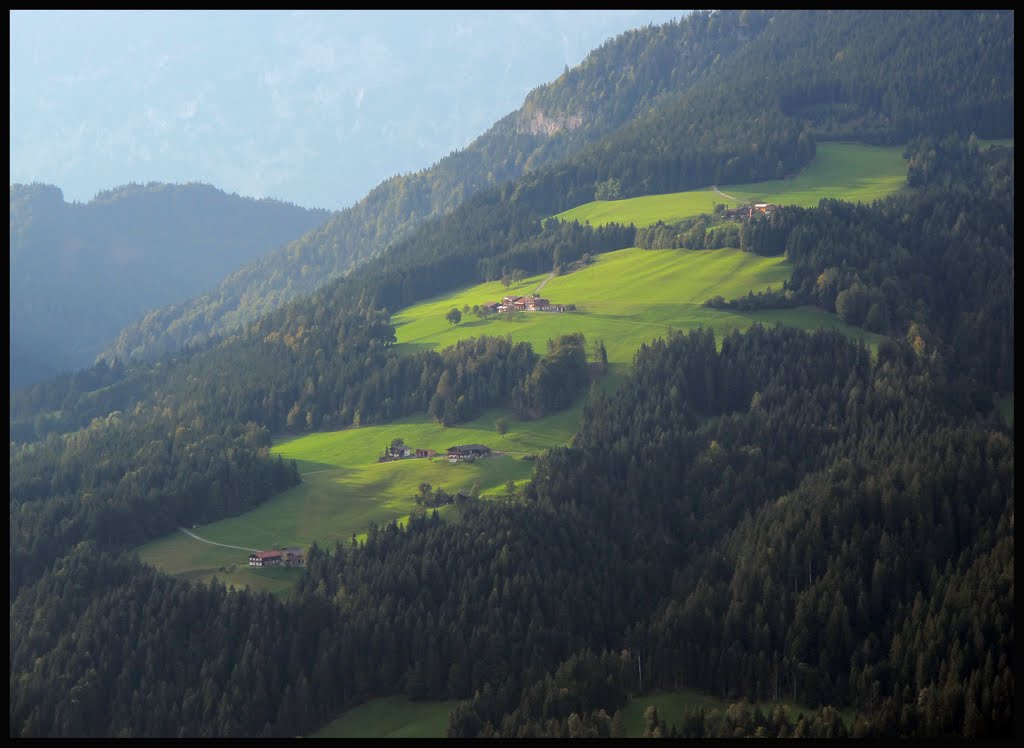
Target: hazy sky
(310, 107)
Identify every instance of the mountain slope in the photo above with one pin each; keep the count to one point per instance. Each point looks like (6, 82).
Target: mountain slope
(615, 83)
(775, 511)
(694, 72)
(81, 272)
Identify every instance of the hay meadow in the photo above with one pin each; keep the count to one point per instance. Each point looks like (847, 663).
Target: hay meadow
(848, 171)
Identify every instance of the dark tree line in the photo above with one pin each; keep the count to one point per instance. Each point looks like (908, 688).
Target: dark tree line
(692, 233)
(749, 521)
(828, 509)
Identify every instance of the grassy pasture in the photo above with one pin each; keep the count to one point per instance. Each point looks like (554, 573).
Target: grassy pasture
(344, 489)
(624, 298)
(391, 717)
(848, 171)
(673, 705)
(189, 558)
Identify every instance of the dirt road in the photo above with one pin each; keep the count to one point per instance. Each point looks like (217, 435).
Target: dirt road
(193, 535)
(544, 282)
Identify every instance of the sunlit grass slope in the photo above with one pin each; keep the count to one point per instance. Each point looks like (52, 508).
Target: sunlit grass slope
(847, 171)
(624, 298)
(391, 717)
(344, 489)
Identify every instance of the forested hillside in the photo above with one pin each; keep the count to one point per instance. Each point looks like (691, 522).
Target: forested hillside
(81, 272)
(623, 77)
(699, 82)
(775, 513)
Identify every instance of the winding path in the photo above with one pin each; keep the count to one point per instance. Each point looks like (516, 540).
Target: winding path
(192, 534)
(715, 188)
(544, 282)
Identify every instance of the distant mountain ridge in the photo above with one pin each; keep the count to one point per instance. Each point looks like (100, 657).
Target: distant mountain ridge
(81, 272)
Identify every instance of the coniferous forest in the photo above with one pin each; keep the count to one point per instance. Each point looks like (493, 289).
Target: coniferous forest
(767, 515)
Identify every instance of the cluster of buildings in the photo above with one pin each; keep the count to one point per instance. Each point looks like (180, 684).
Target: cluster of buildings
(454, 454)
(532, 303)
(747, 211)
(287, 556)
(467, 452)
(402, 452)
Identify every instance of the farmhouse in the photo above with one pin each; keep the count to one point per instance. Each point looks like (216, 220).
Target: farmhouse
(401, 452)
(534, 303)
(294, 557)
(748, 211)
(467, 452)
(265, 558)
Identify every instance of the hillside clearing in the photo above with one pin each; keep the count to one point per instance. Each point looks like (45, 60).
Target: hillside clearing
(625, 298)
(847, 171)
(344, 489)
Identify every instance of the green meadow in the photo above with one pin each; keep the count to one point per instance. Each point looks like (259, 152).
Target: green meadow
(624, 298)
(344, 489)
(189, 558)
(672, 706)
(848, 171)
(391, 717)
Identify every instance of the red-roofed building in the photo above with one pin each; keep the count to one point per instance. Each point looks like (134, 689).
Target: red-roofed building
(265, 558)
